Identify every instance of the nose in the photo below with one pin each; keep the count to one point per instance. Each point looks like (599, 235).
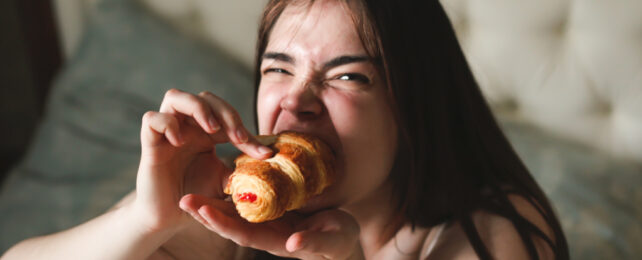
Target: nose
(302, 101)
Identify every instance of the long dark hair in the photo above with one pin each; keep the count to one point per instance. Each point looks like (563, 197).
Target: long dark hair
(453, 159)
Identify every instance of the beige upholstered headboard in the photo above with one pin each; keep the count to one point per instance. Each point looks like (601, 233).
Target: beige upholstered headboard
(573, 68)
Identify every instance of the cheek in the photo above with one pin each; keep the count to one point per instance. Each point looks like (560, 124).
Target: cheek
(358, 117)
(368, 136)
(267, 106)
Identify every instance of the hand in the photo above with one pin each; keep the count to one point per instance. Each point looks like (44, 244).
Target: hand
(328, 234)
(178, 155)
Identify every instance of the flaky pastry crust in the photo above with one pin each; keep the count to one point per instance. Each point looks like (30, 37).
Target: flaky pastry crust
(262, 190)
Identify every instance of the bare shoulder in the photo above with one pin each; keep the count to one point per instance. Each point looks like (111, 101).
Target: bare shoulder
(497, 233)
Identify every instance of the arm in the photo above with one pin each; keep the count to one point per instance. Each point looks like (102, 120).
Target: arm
(180, 179)
(116, 234)
(177, 157)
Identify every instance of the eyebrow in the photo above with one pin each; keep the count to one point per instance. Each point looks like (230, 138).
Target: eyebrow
(342, 60)
(338, 61)
(278, 56)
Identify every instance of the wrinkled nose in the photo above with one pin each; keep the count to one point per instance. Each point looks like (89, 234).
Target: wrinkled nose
(302, 102)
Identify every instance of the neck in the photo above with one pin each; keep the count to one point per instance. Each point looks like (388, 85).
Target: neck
(374, 214)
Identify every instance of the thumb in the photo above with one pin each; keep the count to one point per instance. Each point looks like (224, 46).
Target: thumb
(328, 244)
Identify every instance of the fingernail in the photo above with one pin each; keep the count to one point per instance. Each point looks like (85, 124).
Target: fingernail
(240, 134)
(215, 126)
(264, 150)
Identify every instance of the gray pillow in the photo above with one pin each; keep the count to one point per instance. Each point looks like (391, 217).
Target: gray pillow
(86, 150)
(597, 197)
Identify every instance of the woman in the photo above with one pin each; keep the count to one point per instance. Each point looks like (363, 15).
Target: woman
(425, 172)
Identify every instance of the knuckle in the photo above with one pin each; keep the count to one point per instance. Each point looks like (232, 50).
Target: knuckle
(205, 94)
(198, 101)
(202, 106)
(191, 97)
(148, 115)
(170, 120)
(171, 92)
(210, 96)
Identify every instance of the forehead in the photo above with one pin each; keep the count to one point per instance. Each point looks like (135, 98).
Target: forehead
(323, 29)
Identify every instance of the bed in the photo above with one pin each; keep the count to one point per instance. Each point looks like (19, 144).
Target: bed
(563, 77)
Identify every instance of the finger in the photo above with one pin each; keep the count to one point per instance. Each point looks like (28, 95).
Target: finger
(329, 233)
(192, 202)
(241, 232)
(221, 217)
(235, 130)
(228, 116)
(177, 101)
(328, 244)
(255, 149)
(157, 126)
(329, 220)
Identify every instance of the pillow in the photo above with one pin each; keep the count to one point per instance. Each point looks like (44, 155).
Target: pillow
(597, 197)
(85, 152)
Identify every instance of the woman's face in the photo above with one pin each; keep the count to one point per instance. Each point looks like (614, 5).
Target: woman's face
(317, 78)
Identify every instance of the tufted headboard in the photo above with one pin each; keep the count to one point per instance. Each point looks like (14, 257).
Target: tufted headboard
(573, 68)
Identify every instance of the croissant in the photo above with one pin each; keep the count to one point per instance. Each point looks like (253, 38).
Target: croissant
(262, 190)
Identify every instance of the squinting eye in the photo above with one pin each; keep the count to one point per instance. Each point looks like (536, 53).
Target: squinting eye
(277, 70)
(354, 77)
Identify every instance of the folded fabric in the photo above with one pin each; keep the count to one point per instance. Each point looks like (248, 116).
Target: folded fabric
(85, 152)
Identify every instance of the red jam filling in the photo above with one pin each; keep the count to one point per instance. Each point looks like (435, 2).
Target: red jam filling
(246, 196)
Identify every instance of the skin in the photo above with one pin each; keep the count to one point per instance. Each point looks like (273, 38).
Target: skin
(344, 103)
(178, 208)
